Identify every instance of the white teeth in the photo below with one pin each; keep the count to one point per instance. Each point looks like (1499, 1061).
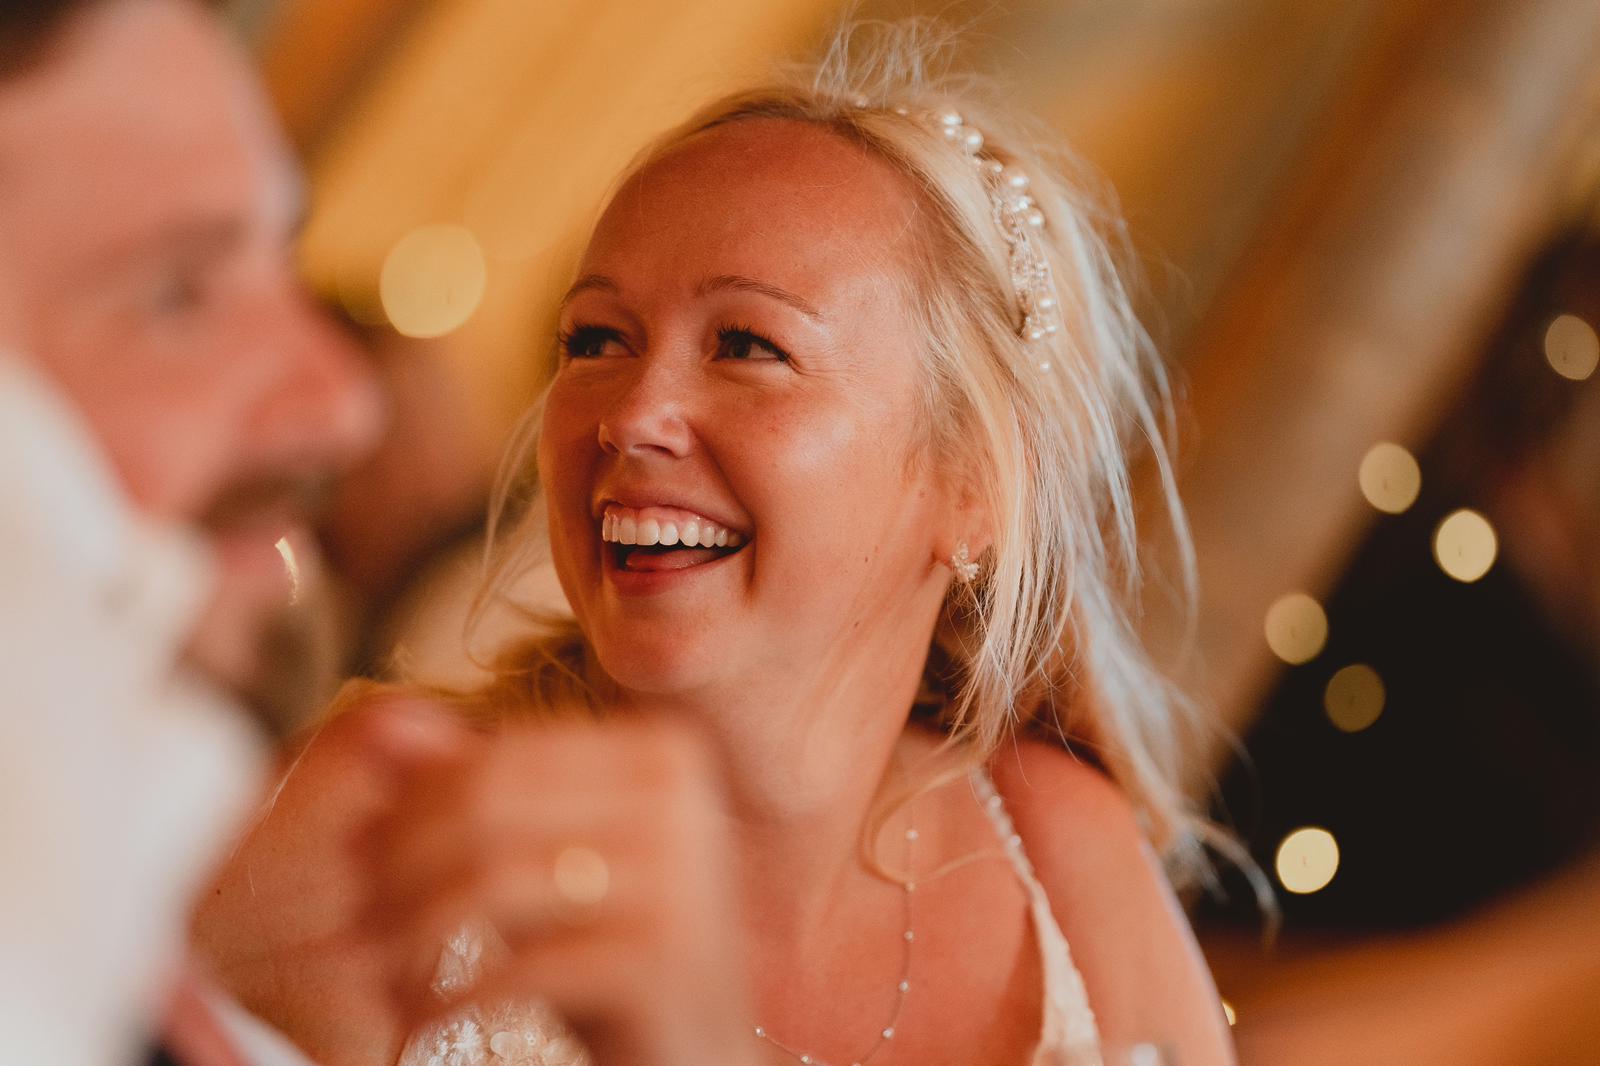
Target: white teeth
(623, 527)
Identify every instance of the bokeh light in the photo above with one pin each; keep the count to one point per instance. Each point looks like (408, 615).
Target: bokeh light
(433, 280)
(1571, 347)
(1228, 1013)
(1465, 545)
(1354, 697)
(1390, 478)
(1296, 628)
(1307, 860)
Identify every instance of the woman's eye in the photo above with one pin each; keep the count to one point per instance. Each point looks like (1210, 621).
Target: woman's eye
(744, 344)
(590, 342)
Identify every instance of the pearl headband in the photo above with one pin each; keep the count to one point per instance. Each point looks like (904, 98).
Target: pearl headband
(1019, 220)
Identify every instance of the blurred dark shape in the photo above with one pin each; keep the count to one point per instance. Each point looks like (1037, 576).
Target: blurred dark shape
(1483, 772)
(422, 491)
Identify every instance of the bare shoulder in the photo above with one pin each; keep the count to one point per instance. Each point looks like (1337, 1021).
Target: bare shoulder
(1074, 802)
(291, 862)
(275, 923)
(1146, 978)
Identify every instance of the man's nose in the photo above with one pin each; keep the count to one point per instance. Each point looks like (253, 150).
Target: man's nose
(329, 403)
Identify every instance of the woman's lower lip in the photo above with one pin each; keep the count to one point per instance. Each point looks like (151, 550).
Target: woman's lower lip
(644, 582)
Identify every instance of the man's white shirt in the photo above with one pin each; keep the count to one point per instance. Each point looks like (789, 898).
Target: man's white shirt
(121, 772)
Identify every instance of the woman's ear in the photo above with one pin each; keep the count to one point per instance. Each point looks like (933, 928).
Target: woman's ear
(968, 532)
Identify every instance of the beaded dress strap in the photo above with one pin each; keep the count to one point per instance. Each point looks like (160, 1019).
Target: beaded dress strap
(1068, 1035)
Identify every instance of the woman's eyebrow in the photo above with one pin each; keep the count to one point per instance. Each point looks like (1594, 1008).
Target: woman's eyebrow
(588, 282)
(740, 283)
(720, 283)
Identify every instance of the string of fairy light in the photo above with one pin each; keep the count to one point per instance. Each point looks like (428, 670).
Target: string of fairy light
(1465, 547)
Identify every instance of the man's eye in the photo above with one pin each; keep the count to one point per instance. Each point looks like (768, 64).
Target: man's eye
(176, 294)
(590, 342)
(744, 344)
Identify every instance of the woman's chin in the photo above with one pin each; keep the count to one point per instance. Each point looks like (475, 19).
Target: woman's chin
(662, 665)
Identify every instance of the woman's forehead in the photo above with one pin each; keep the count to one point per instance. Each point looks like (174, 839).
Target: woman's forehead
(763, 194)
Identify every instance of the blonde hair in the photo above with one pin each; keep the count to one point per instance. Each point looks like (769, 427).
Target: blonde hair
(1044, 431)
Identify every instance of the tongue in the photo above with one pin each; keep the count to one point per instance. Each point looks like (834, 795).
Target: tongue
(677, 559)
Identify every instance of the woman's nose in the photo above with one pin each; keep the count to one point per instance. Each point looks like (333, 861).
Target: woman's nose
(648, 416)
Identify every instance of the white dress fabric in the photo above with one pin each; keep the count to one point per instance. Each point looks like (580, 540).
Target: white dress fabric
(530, 1034)
(509, 1034)
(1068, 1035)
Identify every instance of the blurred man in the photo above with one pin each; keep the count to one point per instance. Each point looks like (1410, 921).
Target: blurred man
(172, 405)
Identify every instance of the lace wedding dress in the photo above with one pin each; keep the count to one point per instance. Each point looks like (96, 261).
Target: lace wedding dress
(529, 1034)
(510, 1034)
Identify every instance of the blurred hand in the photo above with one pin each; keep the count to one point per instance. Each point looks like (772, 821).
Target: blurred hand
(277, 927)
(597, 853)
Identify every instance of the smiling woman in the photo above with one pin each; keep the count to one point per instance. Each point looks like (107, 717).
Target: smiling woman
(906, 252)
(833, 470)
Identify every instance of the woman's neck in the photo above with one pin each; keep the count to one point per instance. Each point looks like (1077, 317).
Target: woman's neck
(802, 777)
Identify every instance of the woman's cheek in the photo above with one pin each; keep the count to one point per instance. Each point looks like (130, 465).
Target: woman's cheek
(812, 479)
(565, 456)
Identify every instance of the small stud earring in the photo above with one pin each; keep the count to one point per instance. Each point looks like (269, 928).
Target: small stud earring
(961, 562)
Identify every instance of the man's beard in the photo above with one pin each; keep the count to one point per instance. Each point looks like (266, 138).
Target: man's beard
(295, 660)
(297, 668)
(245, 500)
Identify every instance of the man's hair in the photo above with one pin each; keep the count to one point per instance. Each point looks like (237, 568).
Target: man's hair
(27, 28)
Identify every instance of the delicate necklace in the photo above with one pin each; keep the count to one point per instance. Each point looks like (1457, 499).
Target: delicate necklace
(902, 987)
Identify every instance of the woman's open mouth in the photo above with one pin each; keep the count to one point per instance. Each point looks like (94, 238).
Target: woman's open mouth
(654, 539)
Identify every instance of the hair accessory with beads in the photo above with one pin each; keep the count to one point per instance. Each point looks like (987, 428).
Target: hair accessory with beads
(1019, 220)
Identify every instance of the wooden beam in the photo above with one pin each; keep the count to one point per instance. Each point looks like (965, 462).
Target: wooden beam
(315, 54)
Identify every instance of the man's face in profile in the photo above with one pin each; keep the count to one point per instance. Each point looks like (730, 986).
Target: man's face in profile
(147, 207)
